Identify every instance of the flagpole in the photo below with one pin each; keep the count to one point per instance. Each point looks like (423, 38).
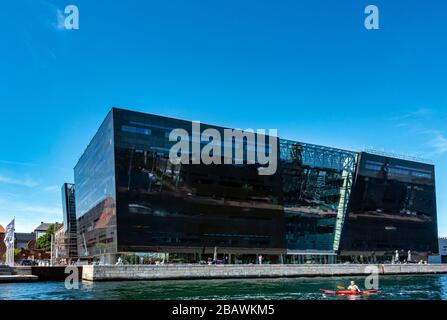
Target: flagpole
(13, 241)
(9, 242)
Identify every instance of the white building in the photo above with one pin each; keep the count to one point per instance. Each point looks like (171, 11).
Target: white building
(443, 249)
(41, 229)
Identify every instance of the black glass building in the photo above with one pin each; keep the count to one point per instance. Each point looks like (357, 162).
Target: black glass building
(316, 184)
(131, 198)
(393, 207)
(69, 216)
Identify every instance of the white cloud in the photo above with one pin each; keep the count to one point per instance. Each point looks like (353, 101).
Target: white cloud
(18, 182)
(404, 119)
(439, 143)
(30, 208)
(420, 113)
(16, 163)
(60, 24)
(28, 215)
(27, 207)
(51, 189)
(422, 123)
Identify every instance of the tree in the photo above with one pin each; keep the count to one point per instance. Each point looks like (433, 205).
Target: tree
(130, 258)
(44, 242)
(17, 254)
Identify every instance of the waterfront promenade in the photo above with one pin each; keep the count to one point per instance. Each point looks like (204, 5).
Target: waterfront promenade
(195, 271)
(186, 272)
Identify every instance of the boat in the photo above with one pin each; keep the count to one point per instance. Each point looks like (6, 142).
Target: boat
(348, 292)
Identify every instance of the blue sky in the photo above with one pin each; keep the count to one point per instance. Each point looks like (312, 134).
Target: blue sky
(308, 68)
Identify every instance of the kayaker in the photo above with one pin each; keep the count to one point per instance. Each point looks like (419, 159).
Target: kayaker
(353, 287)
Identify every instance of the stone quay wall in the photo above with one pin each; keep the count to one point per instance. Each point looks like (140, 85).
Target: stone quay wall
(166, 272)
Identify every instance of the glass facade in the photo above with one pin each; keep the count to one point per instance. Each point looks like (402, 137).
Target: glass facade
(70, 223)
(393, 207)
(95, 194)
(69, 207)
(321, 201)
(316, 183)
(189, 208)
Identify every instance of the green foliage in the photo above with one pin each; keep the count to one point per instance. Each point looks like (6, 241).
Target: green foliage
(101, 247)
(44, 242)
(17, 254)
(130, 258)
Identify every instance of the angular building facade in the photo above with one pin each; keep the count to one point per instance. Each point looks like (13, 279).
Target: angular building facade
(320, 204)
(70, 222)
(393, 207)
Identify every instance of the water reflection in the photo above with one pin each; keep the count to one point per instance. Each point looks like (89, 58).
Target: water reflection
(433, 287)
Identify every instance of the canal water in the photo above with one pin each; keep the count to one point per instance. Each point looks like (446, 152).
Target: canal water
(421, 287)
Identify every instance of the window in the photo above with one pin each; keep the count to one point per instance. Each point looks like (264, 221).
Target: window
(137, 130)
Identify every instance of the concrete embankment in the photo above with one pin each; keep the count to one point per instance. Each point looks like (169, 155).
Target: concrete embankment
(7, 274)
(55, 273)
(166, 272)
(17, 278)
